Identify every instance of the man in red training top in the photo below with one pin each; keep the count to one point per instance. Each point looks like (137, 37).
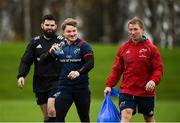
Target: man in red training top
(140, 63)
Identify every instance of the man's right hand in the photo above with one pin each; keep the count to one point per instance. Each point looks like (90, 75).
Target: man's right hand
(21, 82)
(107, 90)
(54, 48)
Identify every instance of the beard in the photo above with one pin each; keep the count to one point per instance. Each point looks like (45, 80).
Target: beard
(48, 33)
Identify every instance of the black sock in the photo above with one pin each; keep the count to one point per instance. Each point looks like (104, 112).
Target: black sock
(52, 119)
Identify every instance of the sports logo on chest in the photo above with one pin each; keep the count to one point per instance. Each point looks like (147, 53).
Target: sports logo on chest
(143, 53)
(77, 51)
(39, 46)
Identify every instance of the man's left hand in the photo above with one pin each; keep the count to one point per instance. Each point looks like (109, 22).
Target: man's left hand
(150, 86)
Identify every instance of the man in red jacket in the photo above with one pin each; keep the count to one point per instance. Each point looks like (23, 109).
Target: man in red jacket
(140, 63)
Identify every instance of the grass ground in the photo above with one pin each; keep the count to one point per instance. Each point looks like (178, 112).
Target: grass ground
(28, 111)
(10, 54)
(19, 105)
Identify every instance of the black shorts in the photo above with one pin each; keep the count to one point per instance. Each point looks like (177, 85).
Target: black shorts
(42, 97)
(145, 105)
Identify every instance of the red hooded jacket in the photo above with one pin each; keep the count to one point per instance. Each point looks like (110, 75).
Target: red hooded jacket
(139, 64)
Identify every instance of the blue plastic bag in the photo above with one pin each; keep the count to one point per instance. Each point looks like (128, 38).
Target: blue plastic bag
(108, 111)
(114, 92)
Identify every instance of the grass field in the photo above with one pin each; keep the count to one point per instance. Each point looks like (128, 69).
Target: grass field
(10, 54)
(19, 105)
(27, 111)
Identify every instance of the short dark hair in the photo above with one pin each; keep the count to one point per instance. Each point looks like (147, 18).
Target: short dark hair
(49, 17)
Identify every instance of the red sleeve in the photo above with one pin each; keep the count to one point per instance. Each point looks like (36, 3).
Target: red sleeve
(157, 65)
(117, 69)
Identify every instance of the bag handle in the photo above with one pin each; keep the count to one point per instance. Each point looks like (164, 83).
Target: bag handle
(114, 92)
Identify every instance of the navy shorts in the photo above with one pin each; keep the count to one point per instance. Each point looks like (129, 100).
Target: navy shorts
(145, 105)
(42, 97)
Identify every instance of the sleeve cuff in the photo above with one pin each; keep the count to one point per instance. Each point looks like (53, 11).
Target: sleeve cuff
(18, 76)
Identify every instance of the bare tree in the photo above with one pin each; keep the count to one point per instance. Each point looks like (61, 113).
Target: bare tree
(27, 21)
(118, 14)
(36, 13)
(11, 20)
(172, 37)
(91, 14)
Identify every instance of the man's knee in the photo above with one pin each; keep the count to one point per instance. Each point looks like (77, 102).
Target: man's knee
(51, 107)
(126, 115)
(51, 112)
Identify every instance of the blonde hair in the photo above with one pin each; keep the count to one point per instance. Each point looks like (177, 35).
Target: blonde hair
(69, 21)
(136, 20)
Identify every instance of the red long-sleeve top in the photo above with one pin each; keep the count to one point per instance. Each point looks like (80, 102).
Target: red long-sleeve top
(139, 64)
